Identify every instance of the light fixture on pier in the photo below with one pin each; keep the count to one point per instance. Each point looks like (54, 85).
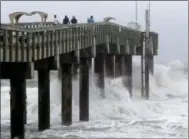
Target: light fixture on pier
(135, 25)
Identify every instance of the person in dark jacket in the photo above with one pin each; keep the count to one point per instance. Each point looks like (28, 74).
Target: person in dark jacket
(66, 20)
(74, 20)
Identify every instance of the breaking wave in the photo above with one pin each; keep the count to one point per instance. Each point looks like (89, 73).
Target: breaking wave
(116, 115)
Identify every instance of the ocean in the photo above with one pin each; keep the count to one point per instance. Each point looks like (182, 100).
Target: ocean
(164, 115)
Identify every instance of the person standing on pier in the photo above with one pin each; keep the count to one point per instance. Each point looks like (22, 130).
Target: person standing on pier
(90, 20)
(66, 20)
(74, 20)
(55, 20)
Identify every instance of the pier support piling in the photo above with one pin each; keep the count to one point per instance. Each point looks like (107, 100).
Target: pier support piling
(84, 89)
(43, 99)
(17, 73)
(110, 65)
(118, 59)
(66, 73)
(147, 63)
(127, 78)
(25, 102)
(90, 63)
(75, 70)
(122, 66)
(100, 71)
(18, 87)
(151, 64)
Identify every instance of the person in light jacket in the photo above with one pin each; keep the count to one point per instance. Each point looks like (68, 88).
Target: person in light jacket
(90, 20)
(55, 20)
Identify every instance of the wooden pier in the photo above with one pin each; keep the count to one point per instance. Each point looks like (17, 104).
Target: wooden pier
(25, 47)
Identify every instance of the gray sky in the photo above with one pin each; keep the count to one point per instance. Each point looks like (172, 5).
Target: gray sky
(168, 18)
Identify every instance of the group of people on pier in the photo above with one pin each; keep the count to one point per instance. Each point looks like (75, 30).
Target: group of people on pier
(66, 20)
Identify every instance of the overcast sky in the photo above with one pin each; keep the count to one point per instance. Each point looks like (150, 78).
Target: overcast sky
(168, 18)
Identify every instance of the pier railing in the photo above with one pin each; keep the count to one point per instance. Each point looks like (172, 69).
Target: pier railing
(27, 42)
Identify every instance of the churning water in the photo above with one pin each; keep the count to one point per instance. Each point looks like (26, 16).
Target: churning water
(164, 115)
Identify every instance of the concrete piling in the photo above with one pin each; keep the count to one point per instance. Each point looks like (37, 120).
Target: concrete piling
(128, 73)
(118, 59)
(122, 66)
(66, 73)
(151, 64)
(149, 69)
(110, 65)
(17, 106)
(75, 68)
(90, 63)
(100, 72)
(25, 106)
(43, 99)
(146, 78)
(84, 90)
